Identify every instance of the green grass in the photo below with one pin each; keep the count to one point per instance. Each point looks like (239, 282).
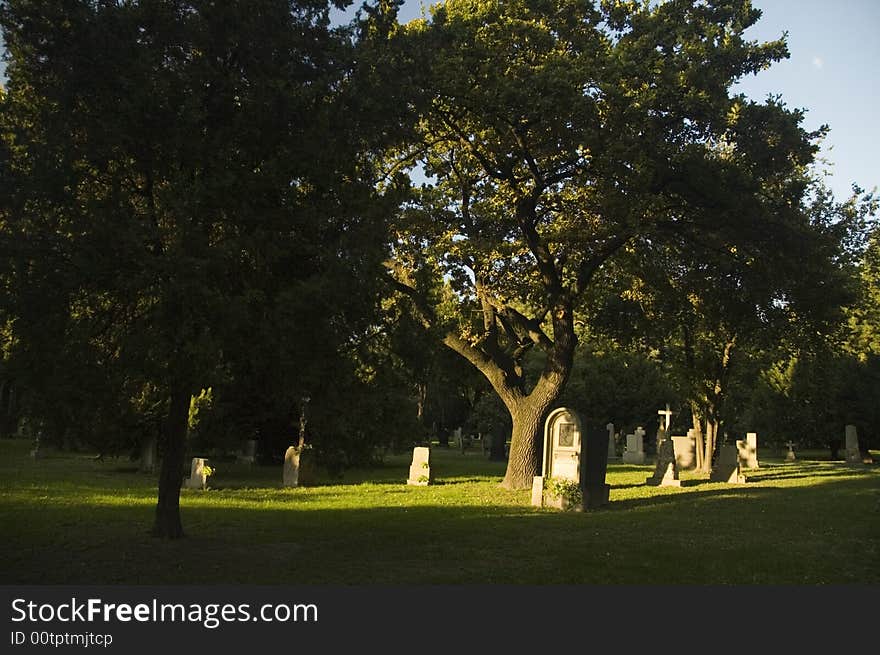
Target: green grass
(68, 519)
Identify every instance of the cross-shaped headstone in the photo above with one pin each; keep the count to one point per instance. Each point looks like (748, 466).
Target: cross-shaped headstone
(667, 415)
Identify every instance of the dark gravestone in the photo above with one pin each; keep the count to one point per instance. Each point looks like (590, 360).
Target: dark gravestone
(497, 449)
(835, 446)
(594, 465)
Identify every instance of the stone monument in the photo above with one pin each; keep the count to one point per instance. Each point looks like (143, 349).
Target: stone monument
(248, 452)
(685, 449)
(291, 467)
(635, 447)
(420, 469)
(748, 451)
(560, 483)
(853, 455)
(612, 447)
(790, 456)
(727, 469)
(147, 462)
(666, 470)
(198, 476)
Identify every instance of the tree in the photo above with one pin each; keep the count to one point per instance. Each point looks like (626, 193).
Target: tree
(555, 136)
(178, 166)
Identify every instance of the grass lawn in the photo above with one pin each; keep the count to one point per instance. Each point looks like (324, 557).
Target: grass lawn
(67, 519)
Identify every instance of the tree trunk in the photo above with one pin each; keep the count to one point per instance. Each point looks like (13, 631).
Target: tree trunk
(698, 437)
(168, 524)
(710, 446)
(526, 444)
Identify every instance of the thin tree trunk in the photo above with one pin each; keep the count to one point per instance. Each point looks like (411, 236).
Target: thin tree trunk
(167, 524)
(710, 446)
(698, 437)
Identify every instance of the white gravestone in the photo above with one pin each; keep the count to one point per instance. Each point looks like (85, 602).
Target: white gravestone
(420, 469)
(790, 456)
(290, 470)
(853, 456)
(665, 471)
(635, 448)
(198, 477)
(667, 417)
(561, 457)
(748, 451)
(685, 449)
(727, 469)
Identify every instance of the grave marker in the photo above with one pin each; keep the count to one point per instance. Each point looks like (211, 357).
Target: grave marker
(198, 476)
(635, 447)
(148, 455)
(727, 469)
(666, 470)
(420, 469)
(612, 447)
(685, 449)
(853, 455)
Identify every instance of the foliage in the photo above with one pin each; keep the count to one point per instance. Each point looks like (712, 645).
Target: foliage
(610, 140)
(568, 490)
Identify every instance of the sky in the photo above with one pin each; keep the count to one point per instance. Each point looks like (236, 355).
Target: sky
(833, 74)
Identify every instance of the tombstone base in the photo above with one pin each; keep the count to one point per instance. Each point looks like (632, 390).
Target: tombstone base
(853, 457)
(633, 458)
(665, 481)
(418, 483)
(561, 502)
(734, 478)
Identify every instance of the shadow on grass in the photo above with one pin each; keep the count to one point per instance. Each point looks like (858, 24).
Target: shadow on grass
(758, 534)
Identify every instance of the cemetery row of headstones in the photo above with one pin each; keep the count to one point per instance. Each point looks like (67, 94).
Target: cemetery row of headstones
(565, 461)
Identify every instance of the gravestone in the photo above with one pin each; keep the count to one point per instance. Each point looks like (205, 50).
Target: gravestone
(853, 455)
(198, 477)
(594, 466)
(666, 470)
(727, 468)
(790, 456)
(248, 452)
(420, 469)
(148, 455)
(635, 447)
(561, 463)
(685, 449)
(538, 491)
(290, 469)
(612, 447)
(36, 453)
(456, 438)
(667, 417)
(748, 451)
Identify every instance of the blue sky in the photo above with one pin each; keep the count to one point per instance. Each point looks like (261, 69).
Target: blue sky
(833, 74)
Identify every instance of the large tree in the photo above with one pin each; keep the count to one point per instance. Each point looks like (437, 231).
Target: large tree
(556, 135)
(179, 169)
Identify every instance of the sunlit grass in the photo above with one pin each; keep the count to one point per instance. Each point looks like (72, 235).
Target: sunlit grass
(70, 519)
